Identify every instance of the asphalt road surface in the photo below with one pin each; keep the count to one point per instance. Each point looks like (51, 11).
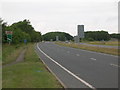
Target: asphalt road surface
(76, 68)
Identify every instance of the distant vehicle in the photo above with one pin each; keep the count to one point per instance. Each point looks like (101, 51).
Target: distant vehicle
(66, 41)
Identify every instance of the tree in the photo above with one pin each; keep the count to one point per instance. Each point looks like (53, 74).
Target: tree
(52, 35)
(97, 35)
(36, 36)
(3, 26)
(21, 30)
(114, 35)
(27, 28)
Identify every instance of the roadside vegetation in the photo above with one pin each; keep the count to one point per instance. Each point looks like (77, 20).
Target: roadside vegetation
(108, 43)
(0, 55)
(51, 36)
(97, 36)
(90, 36)
(21, 31)
(0, 66)
(11, 52)
(31, 73)
(112, 51)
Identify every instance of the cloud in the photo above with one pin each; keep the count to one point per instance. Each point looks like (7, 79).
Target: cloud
(51, 15)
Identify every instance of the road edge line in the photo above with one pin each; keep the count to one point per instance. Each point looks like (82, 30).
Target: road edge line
(78, 78)
(52, 72)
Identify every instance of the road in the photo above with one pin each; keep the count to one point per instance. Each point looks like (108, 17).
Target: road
(76, 68)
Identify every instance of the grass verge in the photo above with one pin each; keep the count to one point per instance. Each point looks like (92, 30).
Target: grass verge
(0, 54)
(0, 67)
(11, 52)
(108, 43)
(112, 51)
(31, 73)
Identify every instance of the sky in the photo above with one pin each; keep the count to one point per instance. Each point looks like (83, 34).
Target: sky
(63, 15)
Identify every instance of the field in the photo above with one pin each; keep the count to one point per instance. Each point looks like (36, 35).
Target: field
(112, 51)
(30, 73)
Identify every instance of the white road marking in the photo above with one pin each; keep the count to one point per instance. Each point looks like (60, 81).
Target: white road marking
(93, 59)
(114, 65)
(77, 55)
(83, 81)
(98, 53)
(68, 51)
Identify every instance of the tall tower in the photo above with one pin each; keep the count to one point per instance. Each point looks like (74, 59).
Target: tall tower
(80, 31)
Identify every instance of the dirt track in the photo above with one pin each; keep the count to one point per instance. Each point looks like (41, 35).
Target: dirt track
(19, 59)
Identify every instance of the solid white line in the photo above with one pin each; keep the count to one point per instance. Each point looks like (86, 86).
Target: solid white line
(93, 59)
(87, 84)
(51, 71)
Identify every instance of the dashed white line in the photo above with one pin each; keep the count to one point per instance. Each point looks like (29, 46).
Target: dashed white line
(77, 55)
(114, 65)
(68, 51)
(78, 78)
(93, 59)
(98, 53)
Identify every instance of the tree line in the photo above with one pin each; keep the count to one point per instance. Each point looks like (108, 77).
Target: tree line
(114, 35)
(89, 36)
(22, 30)
(62, 36)
(100, 35)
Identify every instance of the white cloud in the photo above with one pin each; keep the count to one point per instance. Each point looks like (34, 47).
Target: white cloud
(63, 15)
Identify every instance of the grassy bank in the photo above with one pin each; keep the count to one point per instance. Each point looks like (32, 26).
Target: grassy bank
(0, 54)
(11, 52)
(112, 51)
(109, 43)
(0, 66)
(31, 73)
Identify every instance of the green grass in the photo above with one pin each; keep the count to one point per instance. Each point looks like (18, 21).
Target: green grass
(112, 51)
(0, 66)
(31, 73)
(0, 55)
(11, 52)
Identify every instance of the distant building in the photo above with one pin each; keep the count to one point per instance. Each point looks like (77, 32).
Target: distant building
(80, 29)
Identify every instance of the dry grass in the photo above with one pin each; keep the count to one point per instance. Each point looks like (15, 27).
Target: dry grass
(112, 51)
(111, 43)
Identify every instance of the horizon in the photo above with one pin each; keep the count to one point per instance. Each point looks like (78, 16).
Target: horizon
(60, 31)
(75, 35)
(61, 15)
